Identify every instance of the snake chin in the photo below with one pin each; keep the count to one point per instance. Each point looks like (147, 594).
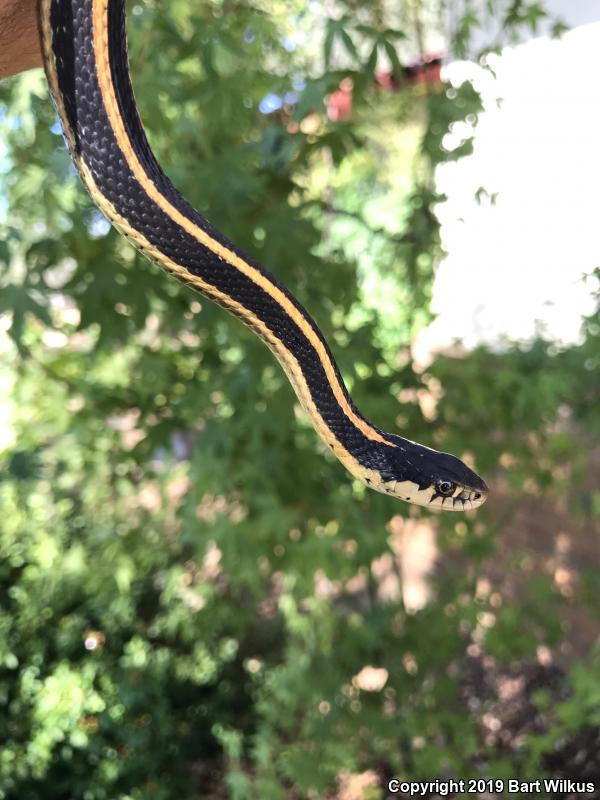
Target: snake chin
(426, 477)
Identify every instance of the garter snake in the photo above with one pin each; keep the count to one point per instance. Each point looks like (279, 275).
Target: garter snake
(85, 57)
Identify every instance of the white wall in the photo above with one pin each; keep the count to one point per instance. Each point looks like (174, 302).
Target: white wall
(517, 264)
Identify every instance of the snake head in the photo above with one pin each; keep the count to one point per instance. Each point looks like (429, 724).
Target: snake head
(426, 477)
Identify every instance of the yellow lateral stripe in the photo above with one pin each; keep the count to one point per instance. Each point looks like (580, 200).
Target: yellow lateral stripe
(284, 356)
(100, 36)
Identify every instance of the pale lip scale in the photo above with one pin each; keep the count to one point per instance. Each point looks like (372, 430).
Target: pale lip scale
(462, 499)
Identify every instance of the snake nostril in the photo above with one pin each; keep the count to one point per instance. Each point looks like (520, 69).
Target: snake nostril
(477, 495)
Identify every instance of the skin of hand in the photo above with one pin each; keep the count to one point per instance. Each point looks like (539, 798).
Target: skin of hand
(19, 38)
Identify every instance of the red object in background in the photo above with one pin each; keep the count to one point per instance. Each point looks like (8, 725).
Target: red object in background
(387, 81)
(339, 103)
(427, 70)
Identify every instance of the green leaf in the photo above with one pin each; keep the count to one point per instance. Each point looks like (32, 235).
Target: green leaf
(393, 57)
(4, 253)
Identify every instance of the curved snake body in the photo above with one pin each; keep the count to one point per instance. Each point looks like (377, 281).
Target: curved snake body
(85, 56)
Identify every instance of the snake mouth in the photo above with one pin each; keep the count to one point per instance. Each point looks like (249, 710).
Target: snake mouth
(462, 499)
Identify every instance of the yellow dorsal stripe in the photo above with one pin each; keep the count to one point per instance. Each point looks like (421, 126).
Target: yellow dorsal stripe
(100, 36)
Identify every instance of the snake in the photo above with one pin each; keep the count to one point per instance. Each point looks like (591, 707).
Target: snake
(84, 49)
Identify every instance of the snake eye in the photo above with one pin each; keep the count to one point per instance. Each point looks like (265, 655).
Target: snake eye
(445, 488)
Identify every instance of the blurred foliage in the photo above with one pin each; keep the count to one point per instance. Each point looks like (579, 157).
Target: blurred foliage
(169, 519)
